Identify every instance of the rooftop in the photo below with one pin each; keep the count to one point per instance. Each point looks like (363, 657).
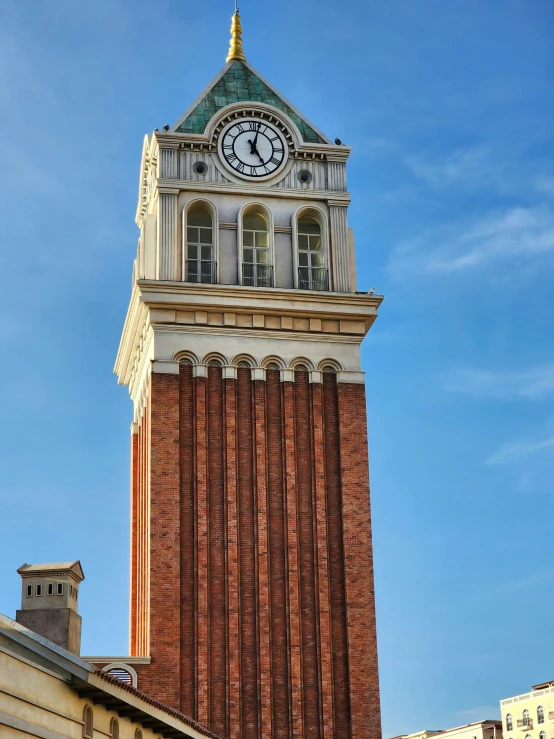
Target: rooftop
(49, 568)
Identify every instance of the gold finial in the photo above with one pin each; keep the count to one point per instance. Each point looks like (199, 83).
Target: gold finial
(235, 47)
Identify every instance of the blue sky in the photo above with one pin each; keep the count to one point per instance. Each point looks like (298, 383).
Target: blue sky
(448, 107)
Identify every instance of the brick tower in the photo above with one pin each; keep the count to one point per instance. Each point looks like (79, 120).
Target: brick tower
(252, 596)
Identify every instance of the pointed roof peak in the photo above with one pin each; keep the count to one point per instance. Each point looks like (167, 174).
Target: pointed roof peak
(235, 47)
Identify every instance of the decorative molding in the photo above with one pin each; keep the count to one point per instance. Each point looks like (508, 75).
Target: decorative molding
(128, 660)
(287, 375)
(316, 377)
(351, 377)
(200, 370)
(258, 373)
(229, 372)
(165, 367)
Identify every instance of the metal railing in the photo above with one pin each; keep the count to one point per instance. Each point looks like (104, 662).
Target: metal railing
(257, 275)
(313, 278)
(525, 723)
(198, 270)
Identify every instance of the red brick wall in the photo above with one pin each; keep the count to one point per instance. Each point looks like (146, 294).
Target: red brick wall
(261, 604)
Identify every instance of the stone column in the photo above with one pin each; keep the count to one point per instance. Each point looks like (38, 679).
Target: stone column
(168, 263)
(339, 246)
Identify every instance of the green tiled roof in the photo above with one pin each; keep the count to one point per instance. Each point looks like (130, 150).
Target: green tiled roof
(237, 84)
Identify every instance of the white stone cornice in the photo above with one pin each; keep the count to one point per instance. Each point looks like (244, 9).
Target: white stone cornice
(256, 190)
(316, 376)
(200, 370)
(282, 315)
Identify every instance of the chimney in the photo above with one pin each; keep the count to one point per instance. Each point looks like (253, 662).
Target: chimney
(49, 598)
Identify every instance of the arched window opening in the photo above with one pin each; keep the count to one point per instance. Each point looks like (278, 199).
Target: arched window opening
(542, 735)
(312, 270)
(114, 728)
(87, 723)
(138, 734)
(509, 722)
(540, 715)
(121, 674)
(257, 269)
(525, 718)
(200, 259)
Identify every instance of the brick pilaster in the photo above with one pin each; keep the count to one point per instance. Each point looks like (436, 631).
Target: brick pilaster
(322, 580)
(293, 574)
(233, 571)
(358, 561)
(262, 558)
(188, 560)
(165, 628)
(247, 559)
(202, 551)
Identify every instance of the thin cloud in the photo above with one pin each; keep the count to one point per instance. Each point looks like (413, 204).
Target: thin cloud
(468, 166)
(516, 450)
(519, 235)
(479, 713)
(532, 383)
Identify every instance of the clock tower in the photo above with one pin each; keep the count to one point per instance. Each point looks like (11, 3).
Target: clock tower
(252, 599)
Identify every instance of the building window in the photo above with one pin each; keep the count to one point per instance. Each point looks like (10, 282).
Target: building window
(509, 722)
(38, 590)
(525, 718)
(87, 723)
(138, 734)
(60, 588)
(114, 728)
(257, 269)
(200, 263)
(312, 271)
(540, 715)
(121, 674)
(50, 590)
(542, 735)
(29, 590)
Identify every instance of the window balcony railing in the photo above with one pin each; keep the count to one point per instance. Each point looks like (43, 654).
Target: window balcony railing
(525, 723)
(313, 278)
(257, 275)
(201, 271)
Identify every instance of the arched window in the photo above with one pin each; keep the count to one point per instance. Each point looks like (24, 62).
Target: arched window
(200, 265)
(114, 728)
(525, 718)
(542, 735)
(312, 270)
(138, 734)
(257, 269)
(509, 722)
(87, 723)
(540, 715)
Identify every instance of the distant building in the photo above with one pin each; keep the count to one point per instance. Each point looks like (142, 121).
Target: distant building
(490, 729)
(526, 716)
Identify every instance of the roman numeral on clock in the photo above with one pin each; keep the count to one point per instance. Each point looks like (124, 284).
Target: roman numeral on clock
(274, 160)
(240, 127)
(239, 167)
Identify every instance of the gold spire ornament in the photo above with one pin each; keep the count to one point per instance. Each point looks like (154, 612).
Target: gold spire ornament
(235, 47)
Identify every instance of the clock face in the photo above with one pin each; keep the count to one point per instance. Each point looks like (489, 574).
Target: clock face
(252, 148)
